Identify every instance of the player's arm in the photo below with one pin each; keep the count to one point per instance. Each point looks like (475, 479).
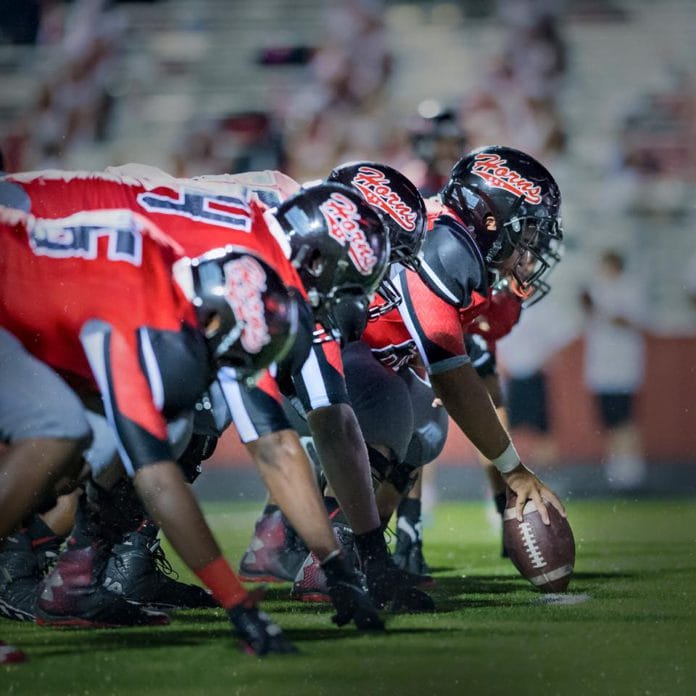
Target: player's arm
(282, 462)
(128, 390)
(436, 326)
(321, 387)
(467, 401)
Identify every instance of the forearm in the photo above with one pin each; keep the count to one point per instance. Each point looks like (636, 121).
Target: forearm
(467, 401)
(170, 502)
(343, 455)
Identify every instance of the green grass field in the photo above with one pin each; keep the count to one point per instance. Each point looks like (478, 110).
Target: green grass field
(492, 633)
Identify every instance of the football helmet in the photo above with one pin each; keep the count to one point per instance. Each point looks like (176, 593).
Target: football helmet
(247, 315)
(403, 210)
(340, 248)
(396, 198)
(515, 202)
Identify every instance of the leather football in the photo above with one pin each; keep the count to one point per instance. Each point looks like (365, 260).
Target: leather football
(544, 555)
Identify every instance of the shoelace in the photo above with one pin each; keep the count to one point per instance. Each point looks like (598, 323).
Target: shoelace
(161, 561)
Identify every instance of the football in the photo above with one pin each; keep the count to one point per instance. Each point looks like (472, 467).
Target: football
(543, 555)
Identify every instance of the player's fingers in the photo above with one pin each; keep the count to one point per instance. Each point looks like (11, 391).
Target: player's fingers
(555, 501)
(519, 505)
(539, 503)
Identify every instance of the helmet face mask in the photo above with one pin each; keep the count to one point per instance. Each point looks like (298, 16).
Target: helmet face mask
(247, 315)
(340, 248)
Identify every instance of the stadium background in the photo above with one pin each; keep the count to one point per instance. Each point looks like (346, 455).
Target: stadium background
(603, 92)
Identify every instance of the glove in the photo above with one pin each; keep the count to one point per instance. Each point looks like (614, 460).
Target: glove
(259, 635)
(349, 595)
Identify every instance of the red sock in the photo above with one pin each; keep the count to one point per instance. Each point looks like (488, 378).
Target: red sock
(223, 582)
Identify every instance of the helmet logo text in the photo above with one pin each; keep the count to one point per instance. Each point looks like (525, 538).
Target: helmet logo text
(374, 186)
(245, 281)
(491, 168)
(343, 220)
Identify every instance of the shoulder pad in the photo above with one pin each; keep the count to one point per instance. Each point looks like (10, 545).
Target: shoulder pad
(452, 266)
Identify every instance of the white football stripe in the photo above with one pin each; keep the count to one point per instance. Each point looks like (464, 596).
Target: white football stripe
(552, 575)
(509, 513)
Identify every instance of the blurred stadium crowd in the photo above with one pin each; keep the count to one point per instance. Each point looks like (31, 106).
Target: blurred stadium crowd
(603, 92)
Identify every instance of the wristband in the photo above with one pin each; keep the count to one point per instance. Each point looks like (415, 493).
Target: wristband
(508, 460)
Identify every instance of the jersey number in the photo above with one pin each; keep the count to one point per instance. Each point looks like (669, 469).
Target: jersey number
(78, 236)
(225, 211)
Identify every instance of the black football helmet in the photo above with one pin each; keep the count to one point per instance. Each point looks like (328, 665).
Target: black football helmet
(403, 211)
(516, 205)
(248, 316)
(340, 248)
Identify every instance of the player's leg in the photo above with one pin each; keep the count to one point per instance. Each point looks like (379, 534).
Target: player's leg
(427, 442)
(382, 405)
(625, 466)
(43, 424)
(137, 567)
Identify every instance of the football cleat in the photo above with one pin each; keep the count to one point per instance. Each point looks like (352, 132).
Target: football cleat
(72, 595)
(259, 635)
(20, 575)
(310, 581)
(138, 570)
(408, 553)
(275, 553)
(348, 592)
(9, 655)
(396, 589)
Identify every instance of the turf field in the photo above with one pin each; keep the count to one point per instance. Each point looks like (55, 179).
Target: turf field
(634, 633)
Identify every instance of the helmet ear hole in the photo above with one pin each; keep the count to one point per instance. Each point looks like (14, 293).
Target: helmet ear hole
(246, 314)
(315, 263)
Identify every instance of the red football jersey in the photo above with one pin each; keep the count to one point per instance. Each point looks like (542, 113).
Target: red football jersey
(498, 319)
(436, 306)
(200, 214)
(86, 294)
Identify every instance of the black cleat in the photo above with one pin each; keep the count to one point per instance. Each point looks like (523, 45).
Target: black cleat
(20, 575)
(72, 595)
(408, 553)
(349, 595)
(138, 570)
(398, 590)
(258, 634)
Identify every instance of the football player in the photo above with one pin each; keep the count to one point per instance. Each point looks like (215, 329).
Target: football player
(91, 296)
(198, 216)
(496, 219)
(273, 553)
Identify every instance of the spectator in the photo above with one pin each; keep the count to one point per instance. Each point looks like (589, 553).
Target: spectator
(524, 356)
(615, 365)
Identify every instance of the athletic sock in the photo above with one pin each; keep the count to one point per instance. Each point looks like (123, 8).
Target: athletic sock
(219, 577)
(410, 508)
(372, 548)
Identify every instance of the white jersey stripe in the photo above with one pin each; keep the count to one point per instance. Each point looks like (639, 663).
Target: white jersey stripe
(409, 323)
(154, 376)
(233, 396)
(92, 338)
(314, 382)
(431, 274)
